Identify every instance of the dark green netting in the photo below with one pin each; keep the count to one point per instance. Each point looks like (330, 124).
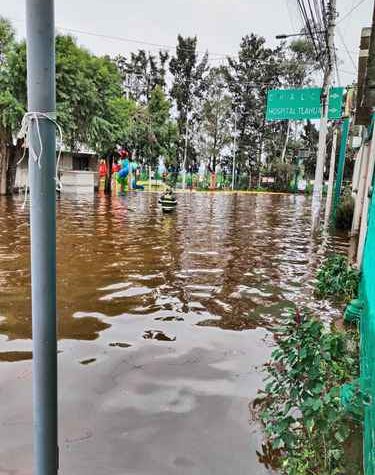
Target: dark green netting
(352, 399)
(368, 344)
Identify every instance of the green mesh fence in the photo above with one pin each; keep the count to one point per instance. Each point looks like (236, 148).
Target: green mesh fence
(368, 344)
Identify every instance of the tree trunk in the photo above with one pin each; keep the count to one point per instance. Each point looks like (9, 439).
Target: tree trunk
(3, 167)
(9, 156)
(8, 162)
(108, 180)
(14, 154)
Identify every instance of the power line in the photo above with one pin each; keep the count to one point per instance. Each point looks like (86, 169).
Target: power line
(123, 39)
(337, 70)
(311, 25)
(351, 11)
(346, 48)
(218, 56)
(290, 15)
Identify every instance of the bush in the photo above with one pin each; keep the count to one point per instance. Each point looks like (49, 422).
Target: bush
(337, 280)
(344, 213)
(242, 182)
(300, 406)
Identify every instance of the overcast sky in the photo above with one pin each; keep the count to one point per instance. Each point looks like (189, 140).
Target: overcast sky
(219, 24)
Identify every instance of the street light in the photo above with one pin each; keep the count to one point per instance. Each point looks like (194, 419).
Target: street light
(284, 36)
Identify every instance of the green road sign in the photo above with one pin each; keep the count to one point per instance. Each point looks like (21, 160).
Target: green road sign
(300, 104)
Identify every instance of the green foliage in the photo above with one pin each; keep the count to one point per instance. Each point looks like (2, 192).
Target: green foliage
(164, 130)
(282, 173)
(300, 406)
(86, 87)
(336, 279)
(141, 73)
(217, 119)
(103, 103)
(149, 130)
(12, 79)
(260, 65)
(344, 212)
(12, 102)
(188, 87)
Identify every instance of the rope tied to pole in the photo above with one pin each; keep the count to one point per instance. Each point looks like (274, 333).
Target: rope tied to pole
(28, 120)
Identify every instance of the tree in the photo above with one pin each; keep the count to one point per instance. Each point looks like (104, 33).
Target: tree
(164, 130)
(147, 130)
(216, 118)
(90, 108)
(141, 73)
(299, 63)
(310, 138)
(188, 87)
(256, 70)
(87, 89)
(12, 103)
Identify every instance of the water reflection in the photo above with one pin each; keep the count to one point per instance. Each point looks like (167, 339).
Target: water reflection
(11, 356)
(156, 375)
(238, 260)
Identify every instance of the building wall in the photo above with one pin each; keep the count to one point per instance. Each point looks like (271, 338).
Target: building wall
(89, 162)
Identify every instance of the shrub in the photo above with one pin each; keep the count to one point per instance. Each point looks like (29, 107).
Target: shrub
(300, 406)
(337, 280)
(344, 213)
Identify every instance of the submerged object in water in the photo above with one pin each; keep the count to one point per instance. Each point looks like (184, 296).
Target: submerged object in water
(168, 202)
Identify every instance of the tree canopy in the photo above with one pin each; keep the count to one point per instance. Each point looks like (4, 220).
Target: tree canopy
(160, 104)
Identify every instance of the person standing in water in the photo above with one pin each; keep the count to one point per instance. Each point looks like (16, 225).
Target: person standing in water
(116, 167)
(102, 174)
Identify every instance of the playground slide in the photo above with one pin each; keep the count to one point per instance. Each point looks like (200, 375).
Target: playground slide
(124, 172)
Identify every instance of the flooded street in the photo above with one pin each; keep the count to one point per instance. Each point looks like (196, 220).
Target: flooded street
(164, 324)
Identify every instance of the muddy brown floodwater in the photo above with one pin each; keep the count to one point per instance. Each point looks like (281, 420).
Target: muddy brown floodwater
(164, 324)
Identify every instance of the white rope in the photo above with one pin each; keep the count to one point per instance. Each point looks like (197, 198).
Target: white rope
(24, 133)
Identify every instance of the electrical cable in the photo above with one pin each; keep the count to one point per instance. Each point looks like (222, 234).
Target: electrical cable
(315, 41)
(346, 48)
(351, 11)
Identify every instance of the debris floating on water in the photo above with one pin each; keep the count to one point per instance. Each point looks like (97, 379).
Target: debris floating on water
(87, 362)
(120, 345)
(157, 335)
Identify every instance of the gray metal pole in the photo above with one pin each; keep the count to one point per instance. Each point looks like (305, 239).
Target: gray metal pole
(41, 98)
(185, 154)
(234, 151)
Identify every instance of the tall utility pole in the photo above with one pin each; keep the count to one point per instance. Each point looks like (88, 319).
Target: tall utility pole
(185, 153)
(322, 147)
(234, 151)
(40, 26)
